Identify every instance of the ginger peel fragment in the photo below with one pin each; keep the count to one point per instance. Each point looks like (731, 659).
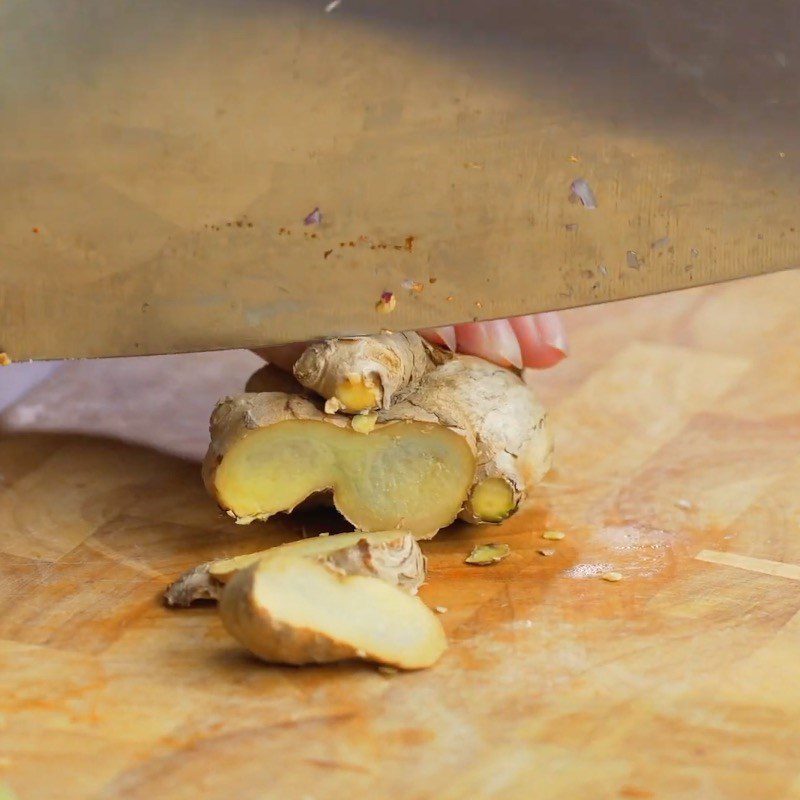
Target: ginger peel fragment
(392, 556)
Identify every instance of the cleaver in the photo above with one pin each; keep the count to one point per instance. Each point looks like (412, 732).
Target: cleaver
(181, 176)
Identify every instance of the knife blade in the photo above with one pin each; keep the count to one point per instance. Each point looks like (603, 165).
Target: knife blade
(180, 177)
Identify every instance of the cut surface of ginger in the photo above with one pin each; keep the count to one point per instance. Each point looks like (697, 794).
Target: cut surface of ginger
(410, 475)
(356, 394)
(299, 611)
(492, 500)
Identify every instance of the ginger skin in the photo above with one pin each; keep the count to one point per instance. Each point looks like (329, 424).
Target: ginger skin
(365, 373)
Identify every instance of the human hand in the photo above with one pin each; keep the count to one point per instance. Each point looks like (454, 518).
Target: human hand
(537, 341)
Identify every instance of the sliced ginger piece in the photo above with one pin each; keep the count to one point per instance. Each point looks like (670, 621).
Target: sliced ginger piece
(271, 451)
(301, 611)
(392, 556)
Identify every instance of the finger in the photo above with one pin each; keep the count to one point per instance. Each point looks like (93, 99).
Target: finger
(542, 339)
(283, 356)
(494, 340)
(445, 336)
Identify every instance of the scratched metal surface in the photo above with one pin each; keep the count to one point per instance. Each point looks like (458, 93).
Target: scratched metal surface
(677, 424)
(158, 160)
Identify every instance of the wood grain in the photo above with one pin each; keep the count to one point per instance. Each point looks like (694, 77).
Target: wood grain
(678, 462)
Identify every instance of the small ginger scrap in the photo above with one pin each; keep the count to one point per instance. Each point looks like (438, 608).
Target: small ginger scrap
(364, 423)
(483, 555)
(4, 360)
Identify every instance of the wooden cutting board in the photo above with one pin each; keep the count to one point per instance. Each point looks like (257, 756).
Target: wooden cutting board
(678, 465)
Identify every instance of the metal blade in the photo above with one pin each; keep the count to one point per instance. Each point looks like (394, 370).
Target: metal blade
(158, 161)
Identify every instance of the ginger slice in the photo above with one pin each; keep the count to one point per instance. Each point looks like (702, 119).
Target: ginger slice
(301, 611)
(270, 451)
(364, 373)
(392, 556)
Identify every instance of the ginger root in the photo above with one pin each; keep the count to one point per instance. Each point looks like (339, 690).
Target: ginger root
(364, 373)
(303, 611)
(270, 451)
(461, 437)
(392, 556)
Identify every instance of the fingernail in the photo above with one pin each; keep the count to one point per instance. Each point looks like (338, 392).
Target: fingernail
(552, 331)
(504, 342)
(448, 335)
(445, 336)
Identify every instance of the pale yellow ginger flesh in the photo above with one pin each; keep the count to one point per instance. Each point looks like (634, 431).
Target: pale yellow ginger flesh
(392, 556)
(408, 475)
(300, 611)
(493, 500)
(355, 396)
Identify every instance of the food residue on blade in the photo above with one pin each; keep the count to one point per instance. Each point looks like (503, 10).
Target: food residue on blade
(580, 191)
(411, 285)
(387, 303)
(660, 244)
(632, 259)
